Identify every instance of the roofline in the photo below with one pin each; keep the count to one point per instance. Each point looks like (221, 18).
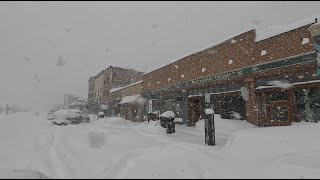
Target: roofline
(202, 50)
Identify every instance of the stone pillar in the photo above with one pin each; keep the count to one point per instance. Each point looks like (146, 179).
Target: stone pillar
(185, 106)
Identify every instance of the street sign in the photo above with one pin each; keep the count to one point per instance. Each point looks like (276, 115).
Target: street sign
(318, 71)
(207, 97)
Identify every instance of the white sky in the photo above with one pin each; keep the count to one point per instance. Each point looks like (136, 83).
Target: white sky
(90, 36)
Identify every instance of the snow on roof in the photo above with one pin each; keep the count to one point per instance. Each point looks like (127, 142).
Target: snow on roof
(115, 89)
(119, 88)
(230, 38)
(167, 114)
(276, 30)
(131, 99)
(315, 24)
(280, 84)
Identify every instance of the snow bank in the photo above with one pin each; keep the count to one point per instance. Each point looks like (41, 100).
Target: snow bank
(21, 174)
(236, 115)
(167, 114)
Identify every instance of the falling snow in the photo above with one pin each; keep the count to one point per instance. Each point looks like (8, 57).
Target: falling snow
(305, 41)
(263, 52)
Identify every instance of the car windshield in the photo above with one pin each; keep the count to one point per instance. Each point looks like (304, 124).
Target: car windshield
(159, 90)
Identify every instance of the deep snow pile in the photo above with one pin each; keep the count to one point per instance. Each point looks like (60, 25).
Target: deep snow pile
(116, 148)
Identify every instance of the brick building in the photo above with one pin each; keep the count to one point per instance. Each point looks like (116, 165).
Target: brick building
(247, 62)
(129, 103)
(101, 85)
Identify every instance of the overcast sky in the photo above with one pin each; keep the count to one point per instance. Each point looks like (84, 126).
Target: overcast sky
(51, 48)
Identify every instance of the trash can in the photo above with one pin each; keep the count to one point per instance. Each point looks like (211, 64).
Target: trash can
(171, 126)
(167, 121)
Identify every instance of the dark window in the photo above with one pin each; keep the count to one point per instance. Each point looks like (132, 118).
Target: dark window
(278, 96)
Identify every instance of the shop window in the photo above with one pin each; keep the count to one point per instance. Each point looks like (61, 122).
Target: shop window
(234, 86)
(179, 98)
(224, 88)
(194, 91)
(218, 89)
(280, 113)
(212, 90)
(308, 104)
(278, 96)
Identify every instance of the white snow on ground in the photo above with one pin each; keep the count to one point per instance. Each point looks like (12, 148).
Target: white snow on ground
(280, 84)
(236, 115)
(116, 148)
(305, 41)
(263, 52)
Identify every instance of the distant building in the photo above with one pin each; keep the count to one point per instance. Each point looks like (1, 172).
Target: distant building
(68, 99)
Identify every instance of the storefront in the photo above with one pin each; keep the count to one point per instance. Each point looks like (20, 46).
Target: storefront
(233, 68)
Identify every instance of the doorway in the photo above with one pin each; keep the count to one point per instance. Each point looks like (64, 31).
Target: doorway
(195, 110)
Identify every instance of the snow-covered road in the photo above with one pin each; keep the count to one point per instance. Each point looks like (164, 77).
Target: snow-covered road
(113, 148)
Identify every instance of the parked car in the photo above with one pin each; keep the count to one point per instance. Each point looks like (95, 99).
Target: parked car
(69, 116)
(77, 116)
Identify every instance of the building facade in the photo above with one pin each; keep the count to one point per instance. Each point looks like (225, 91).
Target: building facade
(104, 82)
(225, 72)
(128, 102)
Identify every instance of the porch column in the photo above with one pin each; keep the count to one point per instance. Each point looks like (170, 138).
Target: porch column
(184, 107)
(251, 104)
(292, 106)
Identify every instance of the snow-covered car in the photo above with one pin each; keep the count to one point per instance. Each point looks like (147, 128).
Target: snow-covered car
(77, 116)
(61, 122)
(21, 174)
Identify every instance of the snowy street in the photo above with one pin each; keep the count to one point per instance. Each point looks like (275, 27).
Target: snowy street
(113, 148)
